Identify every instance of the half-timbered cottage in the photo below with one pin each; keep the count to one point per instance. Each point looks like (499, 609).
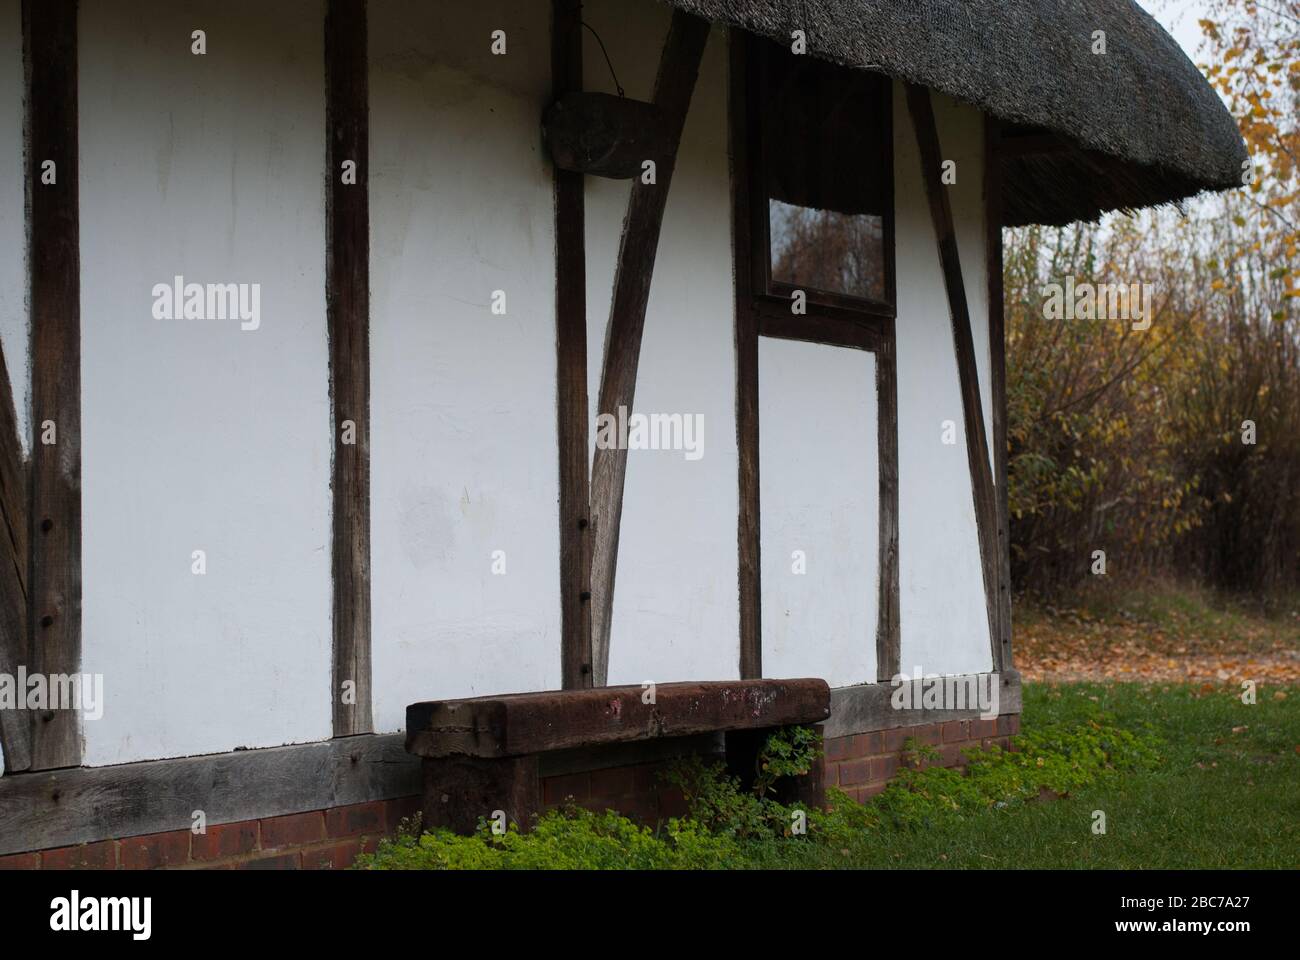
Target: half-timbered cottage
(366, 355)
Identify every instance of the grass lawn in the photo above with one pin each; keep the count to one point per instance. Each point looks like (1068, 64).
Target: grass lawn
(1226, 795)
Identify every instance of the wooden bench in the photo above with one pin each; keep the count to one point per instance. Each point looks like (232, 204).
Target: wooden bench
(481, 754)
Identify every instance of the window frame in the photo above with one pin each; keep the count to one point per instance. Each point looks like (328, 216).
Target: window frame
(831, 320)
(769, 293)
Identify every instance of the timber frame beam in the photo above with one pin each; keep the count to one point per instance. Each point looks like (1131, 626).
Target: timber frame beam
(675, 82)
(977, 444)
(54, 512)
(742, 110)
(347, 307)
(571, 370)
(998, 382)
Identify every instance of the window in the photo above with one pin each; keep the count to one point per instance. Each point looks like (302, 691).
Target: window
(823, 183)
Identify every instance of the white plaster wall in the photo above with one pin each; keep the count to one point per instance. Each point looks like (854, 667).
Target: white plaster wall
(463, 442)
(13, 231)
(197, 435)
(676, 601)
(819, 493)
(943, 618)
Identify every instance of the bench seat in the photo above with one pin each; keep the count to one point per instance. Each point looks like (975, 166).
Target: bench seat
(481, 754)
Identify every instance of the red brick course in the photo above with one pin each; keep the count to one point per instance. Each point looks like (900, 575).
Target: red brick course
(87, 856)
(224, 840)
(862, 764)
(155, 850)
(319, 840)
(294, 830)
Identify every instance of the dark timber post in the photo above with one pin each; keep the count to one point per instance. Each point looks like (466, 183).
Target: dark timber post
(888, 637)
(747, 532)
(678, 67)
(998, 374)
(54, 577)
(347, 305)
(571, 370)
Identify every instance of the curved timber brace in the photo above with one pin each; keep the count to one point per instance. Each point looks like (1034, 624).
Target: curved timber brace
(15, 732)
(977, 445)
(678, 67)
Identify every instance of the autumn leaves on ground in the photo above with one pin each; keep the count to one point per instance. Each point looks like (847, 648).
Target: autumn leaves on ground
(1157, 634)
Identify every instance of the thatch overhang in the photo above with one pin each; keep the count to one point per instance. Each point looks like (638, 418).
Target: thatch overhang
(1138, 125)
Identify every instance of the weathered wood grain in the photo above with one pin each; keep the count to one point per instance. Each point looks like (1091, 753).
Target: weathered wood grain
(888, 637)
(678, 67)
(62, 807)
(524, 723)
(868, 706)
(571, 372)
(54, 512)
(602, 135)
(748, 527)
(347, 304)
(459, 791)
(977, 445)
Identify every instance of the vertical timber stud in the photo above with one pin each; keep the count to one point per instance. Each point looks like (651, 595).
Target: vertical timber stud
(54, 512)
(998, 382)
(571, 370)
(888, 641)
(15, 730)
(977, 445)
(347, 305)
(750, 572)
(674, 83)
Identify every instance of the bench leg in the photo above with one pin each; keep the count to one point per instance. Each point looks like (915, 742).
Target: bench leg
(460, 790)
(742, 761)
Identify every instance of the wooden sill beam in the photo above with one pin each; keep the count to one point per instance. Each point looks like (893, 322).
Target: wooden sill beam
(674, 84)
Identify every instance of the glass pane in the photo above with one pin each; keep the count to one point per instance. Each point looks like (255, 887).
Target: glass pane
(826, 250)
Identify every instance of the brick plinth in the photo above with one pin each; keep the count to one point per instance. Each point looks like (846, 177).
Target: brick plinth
(863, 763)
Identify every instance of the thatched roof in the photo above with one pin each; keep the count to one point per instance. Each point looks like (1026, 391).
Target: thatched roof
(1145, 125)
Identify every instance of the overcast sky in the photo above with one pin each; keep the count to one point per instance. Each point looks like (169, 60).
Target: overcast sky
(1179, 18)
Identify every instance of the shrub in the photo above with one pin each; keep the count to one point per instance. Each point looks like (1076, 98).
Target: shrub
(730, 827)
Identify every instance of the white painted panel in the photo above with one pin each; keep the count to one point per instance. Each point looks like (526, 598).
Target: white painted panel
(13, 221)
(819, 495)
(961, 132)
(676, 601)
(943, 617)
(463, 445)
(197, 435)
